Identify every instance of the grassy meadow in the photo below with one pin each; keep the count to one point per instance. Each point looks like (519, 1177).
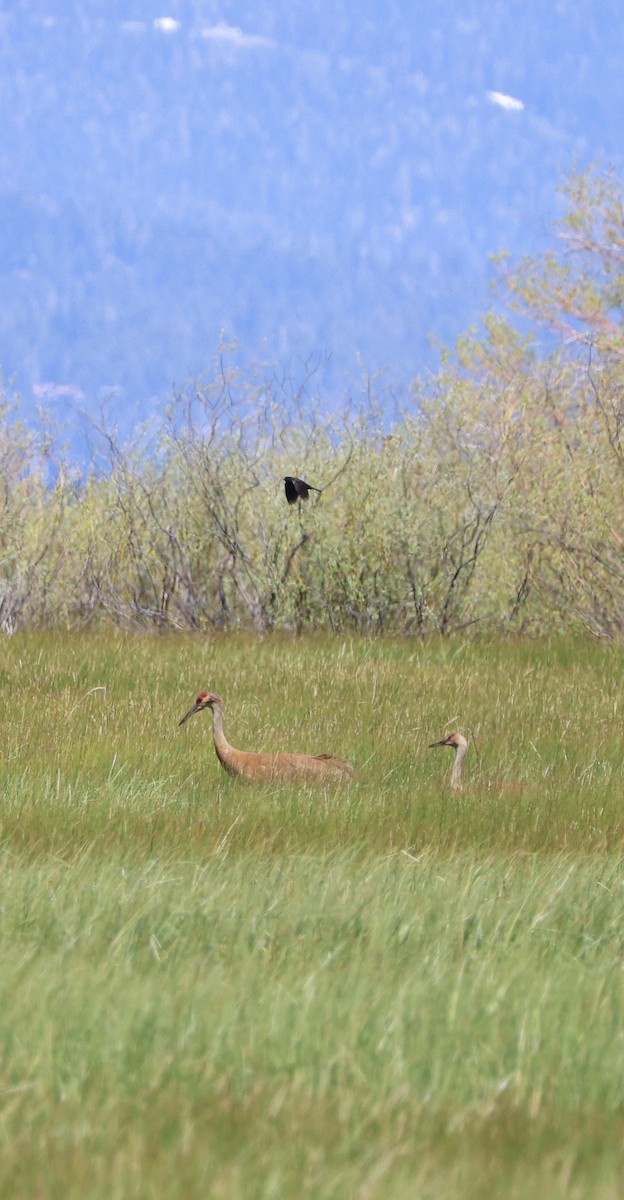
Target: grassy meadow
(382, 989)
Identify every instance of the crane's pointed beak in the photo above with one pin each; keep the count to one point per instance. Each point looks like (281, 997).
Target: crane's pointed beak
(444, 742)
(194, 709)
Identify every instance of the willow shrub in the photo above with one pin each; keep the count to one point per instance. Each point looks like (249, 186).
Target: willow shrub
(495, 500)
(194, 530)
(189, 527)
(487, 506)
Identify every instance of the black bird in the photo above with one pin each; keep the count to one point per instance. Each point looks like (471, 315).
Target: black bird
(296, 489)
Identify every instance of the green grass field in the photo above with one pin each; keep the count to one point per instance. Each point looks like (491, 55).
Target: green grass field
(379, 990)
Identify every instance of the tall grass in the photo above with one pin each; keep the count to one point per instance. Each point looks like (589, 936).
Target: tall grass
(211, 988)
(92, 746)
(316, 1025)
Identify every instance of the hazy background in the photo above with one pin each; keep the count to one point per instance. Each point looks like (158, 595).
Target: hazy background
(320, 182)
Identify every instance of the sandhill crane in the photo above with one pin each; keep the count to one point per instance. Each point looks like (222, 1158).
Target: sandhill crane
(297, 489)
(460, 746)
(323, 767)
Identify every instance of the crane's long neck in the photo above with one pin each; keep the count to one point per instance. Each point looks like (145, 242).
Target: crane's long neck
(456, 773)
(225, 752)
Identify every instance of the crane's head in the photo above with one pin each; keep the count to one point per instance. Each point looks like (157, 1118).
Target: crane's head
(204, 700)
(456, 740)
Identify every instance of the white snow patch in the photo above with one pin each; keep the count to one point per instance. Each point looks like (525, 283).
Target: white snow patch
(166, 24)
(233, 36)
(505, 101)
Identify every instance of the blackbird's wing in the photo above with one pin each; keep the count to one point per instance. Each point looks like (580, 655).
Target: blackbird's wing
(291, 491)
(297, 489)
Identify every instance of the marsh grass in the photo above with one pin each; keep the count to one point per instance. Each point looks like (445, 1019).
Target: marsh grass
(380, 990)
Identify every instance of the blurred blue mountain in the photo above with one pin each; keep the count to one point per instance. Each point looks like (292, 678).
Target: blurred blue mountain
(316, 181)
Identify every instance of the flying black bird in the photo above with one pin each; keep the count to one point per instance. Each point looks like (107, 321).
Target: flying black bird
(296, 489)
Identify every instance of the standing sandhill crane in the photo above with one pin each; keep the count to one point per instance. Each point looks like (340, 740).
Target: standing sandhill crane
(297, 489)
(323, 767)
(460, 746)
